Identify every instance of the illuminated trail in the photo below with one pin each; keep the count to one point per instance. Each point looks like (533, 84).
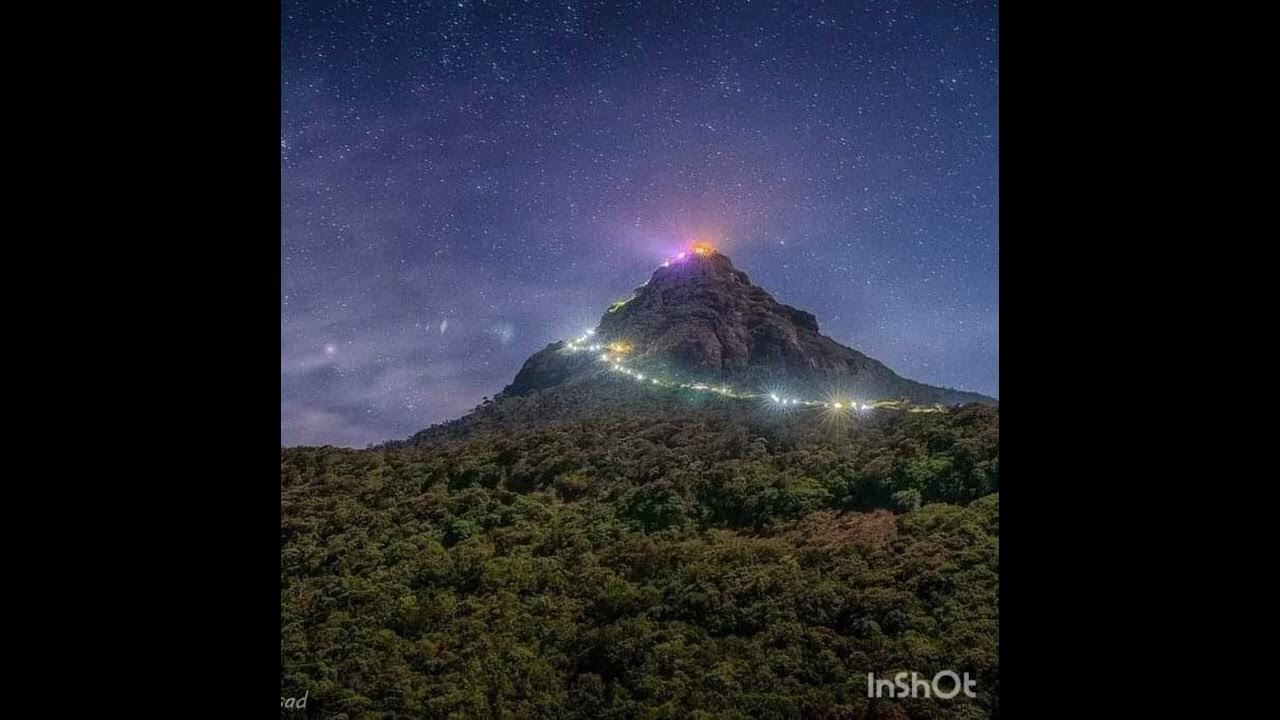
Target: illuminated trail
(614, 355)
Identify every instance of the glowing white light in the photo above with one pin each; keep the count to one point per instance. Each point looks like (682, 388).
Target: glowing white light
(623, 348)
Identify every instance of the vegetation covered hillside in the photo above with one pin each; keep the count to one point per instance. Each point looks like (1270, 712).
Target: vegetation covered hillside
(663, 561)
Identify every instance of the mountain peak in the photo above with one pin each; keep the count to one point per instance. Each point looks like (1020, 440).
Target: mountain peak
(700, 261)
(701, 318)
(703, 313)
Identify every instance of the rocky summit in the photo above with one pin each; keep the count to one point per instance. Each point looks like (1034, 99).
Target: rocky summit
(701, 318)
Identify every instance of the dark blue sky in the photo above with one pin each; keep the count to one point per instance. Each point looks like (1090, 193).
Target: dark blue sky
(465, 182)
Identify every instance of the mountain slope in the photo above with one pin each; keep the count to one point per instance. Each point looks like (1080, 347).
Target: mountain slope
(701, 318)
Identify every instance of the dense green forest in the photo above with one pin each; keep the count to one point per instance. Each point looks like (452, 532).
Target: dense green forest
(663, 562)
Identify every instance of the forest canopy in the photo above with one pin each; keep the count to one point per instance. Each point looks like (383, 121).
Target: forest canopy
(644, 564)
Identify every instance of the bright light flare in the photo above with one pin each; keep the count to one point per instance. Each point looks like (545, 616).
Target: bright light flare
(776, 399)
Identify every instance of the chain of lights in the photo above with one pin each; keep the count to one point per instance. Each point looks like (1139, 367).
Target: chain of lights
(614, 354)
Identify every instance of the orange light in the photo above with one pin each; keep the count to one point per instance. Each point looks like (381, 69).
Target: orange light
(702, 248)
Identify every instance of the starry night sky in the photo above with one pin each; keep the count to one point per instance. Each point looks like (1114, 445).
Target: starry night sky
(465, 182)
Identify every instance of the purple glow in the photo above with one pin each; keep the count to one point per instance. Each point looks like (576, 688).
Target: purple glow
(682, 256)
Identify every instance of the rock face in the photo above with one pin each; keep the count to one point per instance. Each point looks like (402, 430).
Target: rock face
(702, 318)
